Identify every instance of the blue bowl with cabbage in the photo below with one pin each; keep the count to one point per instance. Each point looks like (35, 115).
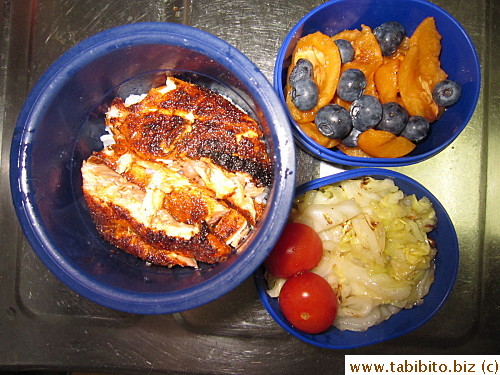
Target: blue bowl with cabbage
(419, 245)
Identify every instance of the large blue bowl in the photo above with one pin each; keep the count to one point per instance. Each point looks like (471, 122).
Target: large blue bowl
(458, 58)
(405, 321)
(59, 126)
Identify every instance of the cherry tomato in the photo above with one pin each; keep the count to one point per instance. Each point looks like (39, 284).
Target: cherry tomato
(298, 249)
(308, 302)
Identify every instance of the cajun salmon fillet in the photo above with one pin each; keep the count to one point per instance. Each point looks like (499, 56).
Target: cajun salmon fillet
(184, 180)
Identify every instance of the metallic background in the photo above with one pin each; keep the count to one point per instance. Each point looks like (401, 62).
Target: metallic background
(44, 325)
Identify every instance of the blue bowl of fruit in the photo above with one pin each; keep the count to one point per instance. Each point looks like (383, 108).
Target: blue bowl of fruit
(377, 83)
(367, 255)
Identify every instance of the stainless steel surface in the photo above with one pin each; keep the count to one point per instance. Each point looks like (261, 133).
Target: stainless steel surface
(45, 325)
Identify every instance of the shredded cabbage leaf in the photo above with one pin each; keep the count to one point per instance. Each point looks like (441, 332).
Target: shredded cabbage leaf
(376, 253)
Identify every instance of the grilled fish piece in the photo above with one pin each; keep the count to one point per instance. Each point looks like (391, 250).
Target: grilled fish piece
(159, 195)
(181, 119)
(114, 201)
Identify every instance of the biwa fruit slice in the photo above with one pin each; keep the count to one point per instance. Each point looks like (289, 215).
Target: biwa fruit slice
(401, 51)
(386, 81)
(312, 132)
(421, 70)
(386, 76)
(324, 55)
(353, 151)
(382, 144)
(367, 54)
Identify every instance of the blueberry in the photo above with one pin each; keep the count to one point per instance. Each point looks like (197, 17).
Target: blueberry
(303, 69)
(305, 94)
(352, 139)
(366, 112)
(352, 84)
(389, 36)
(394, 118)
(416, 129)
(346, 50)
(333, 121)
(446, 93)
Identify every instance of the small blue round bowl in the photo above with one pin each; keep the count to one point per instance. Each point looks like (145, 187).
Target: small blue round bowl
(405, 321)
(60, 125)
(458, 58)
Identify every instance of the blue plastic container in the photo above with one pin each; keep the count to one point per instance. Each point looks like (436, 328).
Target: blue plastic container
(60, 125)
(405, 321)
(458, 58)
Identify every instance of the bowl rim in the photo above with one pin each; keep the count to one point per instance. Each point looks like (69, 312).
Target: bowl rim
(336, 156)
(364, 340)
(280, 195)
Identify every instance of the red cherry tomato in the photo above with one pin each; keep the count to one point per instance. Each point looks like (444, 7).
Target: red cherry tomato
(298, 249)
(308, 302)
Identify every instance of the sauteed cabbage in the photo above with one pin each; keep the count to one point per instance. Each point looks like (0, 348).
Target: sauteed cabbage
(377, 256)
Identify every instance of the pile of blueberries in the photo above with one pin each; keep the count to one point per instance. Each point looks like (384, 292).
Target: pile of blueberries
(366, 111)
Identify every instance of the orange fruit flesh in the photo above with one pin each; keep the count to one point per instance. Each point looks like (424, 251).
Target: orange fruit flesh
(312, 132)
(324, 55)
(367, 58)
(421, 70)
(386, 81)
(353, 151)
(382, 144)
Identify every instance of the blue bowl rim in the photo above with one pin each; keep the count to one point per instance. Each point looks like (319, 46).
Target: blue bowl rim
(98, 45)
(260, 282)
(328, 155)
